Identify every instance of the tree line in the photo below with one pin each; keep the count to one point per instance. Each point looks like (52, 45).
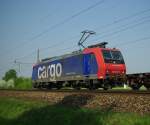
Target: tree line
(12, 80)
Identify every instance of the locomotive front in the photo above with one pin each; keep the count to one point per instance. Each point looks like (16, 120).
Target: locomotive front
(111, 66)
(115, 69)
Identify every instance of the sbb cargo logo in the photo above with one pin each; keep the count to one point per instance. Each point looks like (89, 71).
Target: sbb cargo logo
(51, 71)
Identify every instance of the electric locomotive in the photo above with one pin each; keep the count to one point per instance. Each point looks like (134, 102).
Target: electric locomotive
(94, 67)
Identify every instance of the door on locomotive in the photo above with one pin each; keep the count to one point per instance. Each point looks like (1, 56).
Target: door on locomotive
(90, 65)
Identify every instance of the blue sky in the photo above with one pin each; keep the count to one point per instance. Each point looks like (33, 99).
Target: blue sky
(26, 25)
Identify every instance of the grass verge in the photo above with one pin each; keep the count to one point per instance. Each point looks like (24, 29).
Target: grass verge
(23, 112)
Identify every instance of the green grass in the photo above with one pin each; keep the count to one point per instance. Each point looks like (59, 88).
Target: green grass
(22, 112)
(128, 88)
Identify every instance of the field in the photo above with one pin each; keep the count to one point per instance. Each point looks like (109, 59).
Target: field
(26, 112)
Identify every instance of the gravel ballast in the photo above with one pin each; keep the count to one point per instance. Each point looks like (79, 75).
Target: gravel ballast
(120, 102)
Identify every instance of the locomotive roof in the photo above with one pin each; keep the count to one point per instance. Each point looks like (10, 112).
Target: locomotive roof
(99, 45)
(61, 57)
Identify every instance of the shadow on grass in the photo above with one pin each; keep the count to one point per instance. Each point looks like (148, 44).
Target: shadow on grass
(75, 100)
(65, 112)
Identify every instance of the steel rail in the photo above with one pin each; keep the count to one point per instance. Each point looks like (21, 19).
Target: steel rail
(80, 91)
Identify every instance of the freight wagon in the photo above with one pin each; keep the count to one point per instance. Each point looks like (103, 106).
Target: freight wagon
(136, 80)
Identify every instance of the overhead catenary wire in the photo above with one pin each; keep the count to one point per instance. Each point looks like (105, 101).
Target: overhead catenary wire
(124, 18)
(114, 22)
(71, 47)
(68, 19)
(59, 24)
(27, 55)
(25, 63)
(59, 43)
(48, 47)
(133, 41)
(67, 48)
(123, 29)
(121, 26)
(105, 35)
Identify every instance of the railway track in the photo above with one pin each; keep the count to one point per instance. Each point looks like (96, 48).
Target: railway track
(80, 91)
(117, 100)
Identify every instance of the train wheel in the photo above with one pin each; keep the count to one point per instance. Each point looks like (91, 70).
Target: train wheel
(147, 87)
(49, 86)
(76, 85)
(91, 85)
(107, 85)
(34, 85)
(135, 86)
(59, 86)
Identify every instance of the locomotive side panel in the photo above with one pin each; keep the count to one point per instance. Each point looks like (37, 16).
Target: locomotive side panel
(73, 66)
(70, 68)
(77, 67)
(49, 71)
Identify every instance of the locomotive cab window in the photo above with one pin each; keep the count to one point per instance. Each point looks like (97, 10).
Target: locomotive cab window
(112, 57)
(116, 55)
(106, 54)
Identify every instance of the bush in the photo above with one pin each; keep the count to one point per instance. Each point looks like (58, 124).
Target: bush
(23, 83)
(9, 84)
(11, 80)
(2, 83)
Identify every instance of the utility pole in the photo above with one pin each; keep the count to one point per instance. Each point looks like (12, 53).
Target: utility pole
(19, 65)
(38, 55)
